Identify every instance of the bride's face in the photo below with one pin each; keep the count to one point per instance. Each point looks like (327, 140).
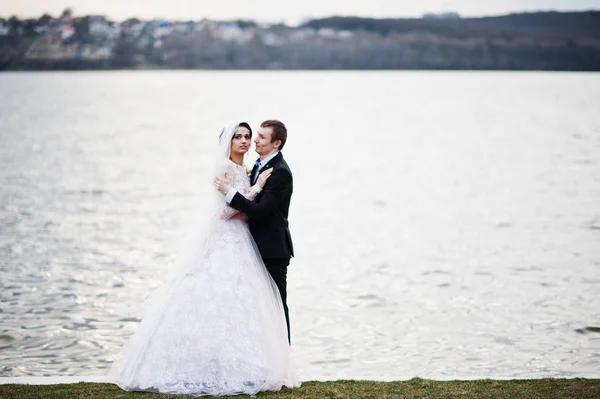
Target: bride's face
(240, 143)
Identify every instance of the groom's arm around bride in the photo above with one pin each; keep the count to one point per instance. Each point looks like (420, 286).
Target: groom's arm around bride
(268, 214)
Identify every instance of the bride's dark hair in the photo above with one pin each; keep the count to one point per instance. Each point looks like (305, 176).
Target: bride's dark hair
(247, 126)
(241, 124)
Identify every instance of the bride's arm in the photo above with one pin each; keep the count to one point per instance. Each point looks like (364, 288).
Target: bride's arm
(231, 175)
(256, 189)
(228, 212)
(279, 190)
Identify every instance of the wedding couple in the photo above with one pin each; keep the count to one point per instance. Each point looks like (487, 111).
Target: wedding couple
(220, 326)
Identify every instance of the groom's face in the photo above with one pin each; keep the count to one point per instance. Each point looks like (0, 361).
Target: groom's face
(264, 145)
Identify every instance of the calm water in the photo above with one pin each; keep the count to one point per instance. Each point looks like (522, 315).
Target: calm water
(445, 224)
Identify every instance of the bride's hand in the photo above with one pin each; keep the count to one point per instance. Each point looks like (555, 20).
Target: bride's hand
(262, 178)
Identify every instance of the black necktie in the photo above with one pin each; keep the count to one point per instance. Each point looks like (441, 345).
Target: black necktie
(256, 169)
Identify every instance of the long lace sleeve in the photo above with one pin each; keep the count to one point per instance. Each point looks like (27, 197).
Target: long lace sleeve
(252, 192)
(227, 212)
(239, 181)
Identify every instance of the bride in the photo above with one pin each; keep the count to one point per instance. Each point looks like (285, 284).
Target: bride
(217, 327)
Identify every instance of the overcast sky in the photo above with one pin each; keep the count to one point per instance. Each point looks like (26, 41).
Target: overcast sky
(291, 12)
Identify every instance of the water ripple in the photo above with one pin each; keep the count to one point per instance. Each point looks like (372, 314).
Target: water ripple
(467, 245)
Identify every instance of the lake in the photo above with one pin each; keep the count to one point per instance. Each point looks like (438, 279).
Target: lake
(446, 224)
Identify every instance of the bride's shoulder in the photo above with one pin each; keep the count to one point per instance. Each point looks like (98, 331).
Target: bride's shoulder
(230, 166)
(227, 164)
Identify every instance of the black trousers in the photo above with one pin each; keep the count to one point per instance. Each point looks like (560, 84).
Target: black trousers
(278, 270)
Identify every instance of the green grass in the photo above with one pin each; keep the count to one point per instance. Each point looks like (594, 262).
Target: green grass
(415, 388)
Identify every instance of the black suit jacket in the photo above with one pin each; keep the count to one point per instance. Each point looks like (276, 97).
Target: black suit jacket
(268, 215)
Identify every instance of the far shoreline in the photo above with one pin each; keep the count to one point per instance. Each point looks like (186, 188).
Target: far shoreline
(158, 69)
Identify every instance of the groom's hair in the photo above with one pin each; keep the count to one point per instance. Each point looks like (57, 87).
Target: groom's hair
(279, 131)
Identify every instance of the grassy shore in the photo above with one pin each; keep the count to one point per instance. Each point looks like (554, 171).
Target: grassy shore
(415, 388)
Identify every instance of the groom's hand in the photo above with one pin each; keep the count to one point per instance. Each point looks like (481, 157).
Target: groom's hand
(222, 184)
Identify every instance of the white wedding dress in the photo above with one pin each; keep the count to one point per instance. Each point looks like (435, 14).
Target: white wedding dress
(217, 327)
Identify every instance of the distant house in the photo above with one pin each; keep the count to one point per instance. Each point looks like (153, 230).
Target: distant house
(163, 29)
(89, 52)
(302, 34)
(182, 27)
(327, 33)
(443, 15)
(52, 29)
(272, 40)
(40, 30)
(99, 26)
(345, 34)
(115, 31)
(66, 31)
(230, 32)
(4, 28)
(136, 30)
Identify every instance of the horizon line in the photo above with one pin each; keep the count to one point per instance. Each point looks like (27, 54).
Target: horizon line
(308, 19)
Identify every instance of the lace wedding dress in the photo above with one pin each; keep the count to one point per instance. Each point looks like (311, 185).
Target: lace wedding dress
(217, 327)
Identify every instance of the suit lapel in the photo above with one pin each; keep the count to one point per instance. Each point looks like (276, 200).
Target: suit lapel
(272, 162)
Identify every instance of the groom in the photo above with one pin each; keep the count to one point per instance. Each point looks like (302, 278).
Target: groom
(268, 215)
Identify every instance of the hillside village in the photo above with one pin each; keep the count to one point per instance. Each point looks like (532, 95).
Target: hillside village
(436, 41)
